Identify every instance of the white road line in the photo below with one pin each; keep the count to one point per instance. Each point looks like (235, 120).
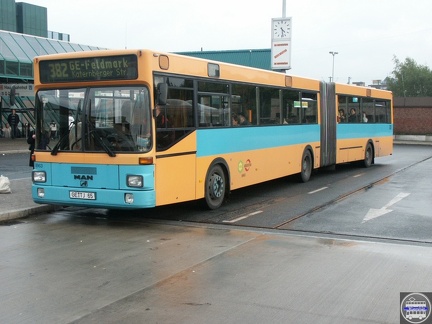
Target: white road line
(315, 191)
(358, 175)
(242, 217)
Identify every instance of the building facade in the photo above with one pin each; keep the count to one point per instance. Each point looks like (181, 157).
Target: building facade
(24, 18)
(8, 15)
(413, 115)
(31, 19)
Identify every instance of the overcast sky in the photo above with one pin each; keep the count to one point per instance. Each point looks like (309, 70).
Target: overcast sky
(367, 34)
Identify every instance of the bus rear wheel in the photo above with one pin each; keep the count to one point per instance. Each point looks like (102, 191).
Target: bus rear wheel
(306, 166)
(215, 187)
(367, 162)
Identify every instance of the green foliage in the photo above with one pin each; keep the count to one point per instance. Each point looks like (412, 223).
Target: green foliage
(410, 79)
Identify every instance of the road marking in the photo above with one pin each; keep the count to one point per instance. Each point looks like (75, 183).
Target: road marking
(374, 213)
(358, 175)
(242, 217)
(315, 191)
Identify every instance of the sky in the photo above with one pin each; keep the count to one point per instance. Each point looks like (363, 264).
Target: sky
(367, 34)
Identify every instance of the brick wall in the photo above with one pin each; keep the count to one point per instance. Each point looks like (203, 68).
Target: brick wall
(412, 116)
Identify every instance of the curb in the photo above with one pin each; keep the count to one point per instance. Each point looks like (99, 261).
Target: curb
(24, 212)
(14, 151)
(414, 138)
(397, 142)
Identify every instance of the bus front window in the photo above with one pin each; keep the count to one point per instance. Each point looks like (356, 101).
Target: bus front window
(110, 119)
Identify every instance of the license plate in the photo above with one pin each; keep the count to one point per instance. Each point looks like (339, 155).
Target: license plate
(82, 195)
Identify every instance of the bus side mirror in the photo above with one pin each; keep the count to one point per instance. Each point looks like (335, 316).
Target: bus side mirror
(12, 95)
(162, 94)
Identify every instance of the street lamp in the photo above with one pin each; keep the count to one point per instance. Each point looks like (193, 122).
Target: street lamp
(333, 53)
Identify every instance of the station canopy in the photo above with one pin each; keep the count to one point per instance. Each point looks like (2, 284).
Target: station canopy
(17, 52)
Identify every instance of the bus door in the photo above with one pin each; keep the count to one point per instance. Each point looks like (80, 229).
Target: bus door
(175, 162)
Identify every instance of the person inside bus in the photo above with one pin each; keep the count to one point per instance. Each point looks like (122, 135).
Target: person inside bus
(242, 120)
(234, 121)
(364, 118)
(341, 117)
(161, 119)
(239, 120)
(353, 116)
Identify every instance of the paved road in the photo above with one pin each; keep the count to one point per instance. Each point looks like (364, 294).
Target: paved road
(62, 269)
(396, 208)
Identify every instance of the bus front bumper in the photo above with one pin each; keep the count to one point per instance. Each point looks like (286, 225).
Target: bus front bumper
(92, 197)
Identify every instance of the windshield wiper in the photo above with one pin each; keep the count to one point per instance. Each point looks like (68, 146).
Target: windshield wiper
(60, 142)
(100, 141)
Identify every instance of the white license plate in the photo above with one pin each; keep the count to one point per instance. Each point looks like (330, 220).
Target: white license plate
(82, 195)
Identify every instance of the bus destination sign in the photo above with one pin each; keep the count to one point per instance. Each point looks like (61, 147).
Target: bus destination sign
(104, 68)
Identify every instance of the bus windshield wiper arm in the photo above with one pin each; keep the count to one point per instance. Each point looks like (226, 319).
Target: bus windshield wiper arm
(60, 142)
(106, 148)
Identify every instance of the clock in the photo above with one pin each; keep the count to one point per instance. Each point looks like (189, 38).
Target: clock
(281, 28)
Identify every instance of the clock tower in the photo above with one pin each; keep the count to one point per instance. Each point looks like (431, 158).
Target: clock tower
(281, 30)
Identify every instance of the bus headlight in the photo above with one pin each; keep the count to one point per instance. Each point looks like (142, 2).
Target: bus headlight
(129, 198)
(39, 176)
(135, 181)
(41, 192)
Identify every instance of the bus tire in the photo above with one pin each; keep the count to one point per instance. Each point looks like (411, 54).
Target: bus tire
(215, 187)
(306, 166)
(368, 159)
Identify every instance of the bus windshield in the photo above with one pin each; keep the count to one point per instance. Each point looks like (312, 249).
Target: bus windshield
(107, 119)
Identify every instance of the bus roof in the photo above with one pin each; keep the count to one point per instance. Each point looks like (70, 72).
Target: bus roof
(183, 65)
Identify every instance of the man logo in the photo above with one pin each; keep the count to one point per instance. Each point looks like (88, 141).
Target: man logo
(83, 177)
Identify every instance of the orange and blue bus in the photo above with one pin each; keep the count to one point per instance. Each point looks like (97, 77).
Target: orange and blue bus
(140, 128)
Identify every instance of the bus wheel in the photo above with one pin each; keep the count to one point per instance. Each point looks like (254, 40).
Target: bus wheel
(306, 166)
(215, 187)
(367, 162)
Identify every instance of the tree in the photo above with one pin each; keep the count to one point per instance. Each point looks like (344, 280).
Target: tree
(410, 79)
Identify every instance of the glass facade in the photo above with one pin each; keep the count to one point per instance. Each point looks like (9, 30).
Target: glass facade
(8, 15)
(31, 19)
(58, 36)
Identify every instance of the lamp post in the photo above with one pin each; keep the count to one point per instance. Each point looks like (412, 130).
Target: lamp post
(333, 53)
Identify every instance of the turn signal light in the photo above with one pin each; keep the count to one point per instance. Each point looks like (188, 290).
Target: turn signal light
(145, 160)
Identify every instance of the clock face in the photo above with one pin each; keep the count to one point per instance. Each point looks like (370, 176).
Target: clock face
(281, 29)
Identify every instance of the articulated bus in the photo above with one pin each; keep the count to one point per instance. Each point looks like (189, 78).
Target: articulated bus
(139, 128)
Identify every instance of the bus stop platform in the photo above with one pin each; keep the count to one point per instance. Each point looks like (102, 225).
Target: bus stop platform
(18, 203)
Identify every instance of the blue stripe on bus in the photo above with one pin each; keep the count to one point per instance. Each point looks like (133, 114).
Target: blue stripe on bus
(236, 139)
(215, 141)
(347, 131)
